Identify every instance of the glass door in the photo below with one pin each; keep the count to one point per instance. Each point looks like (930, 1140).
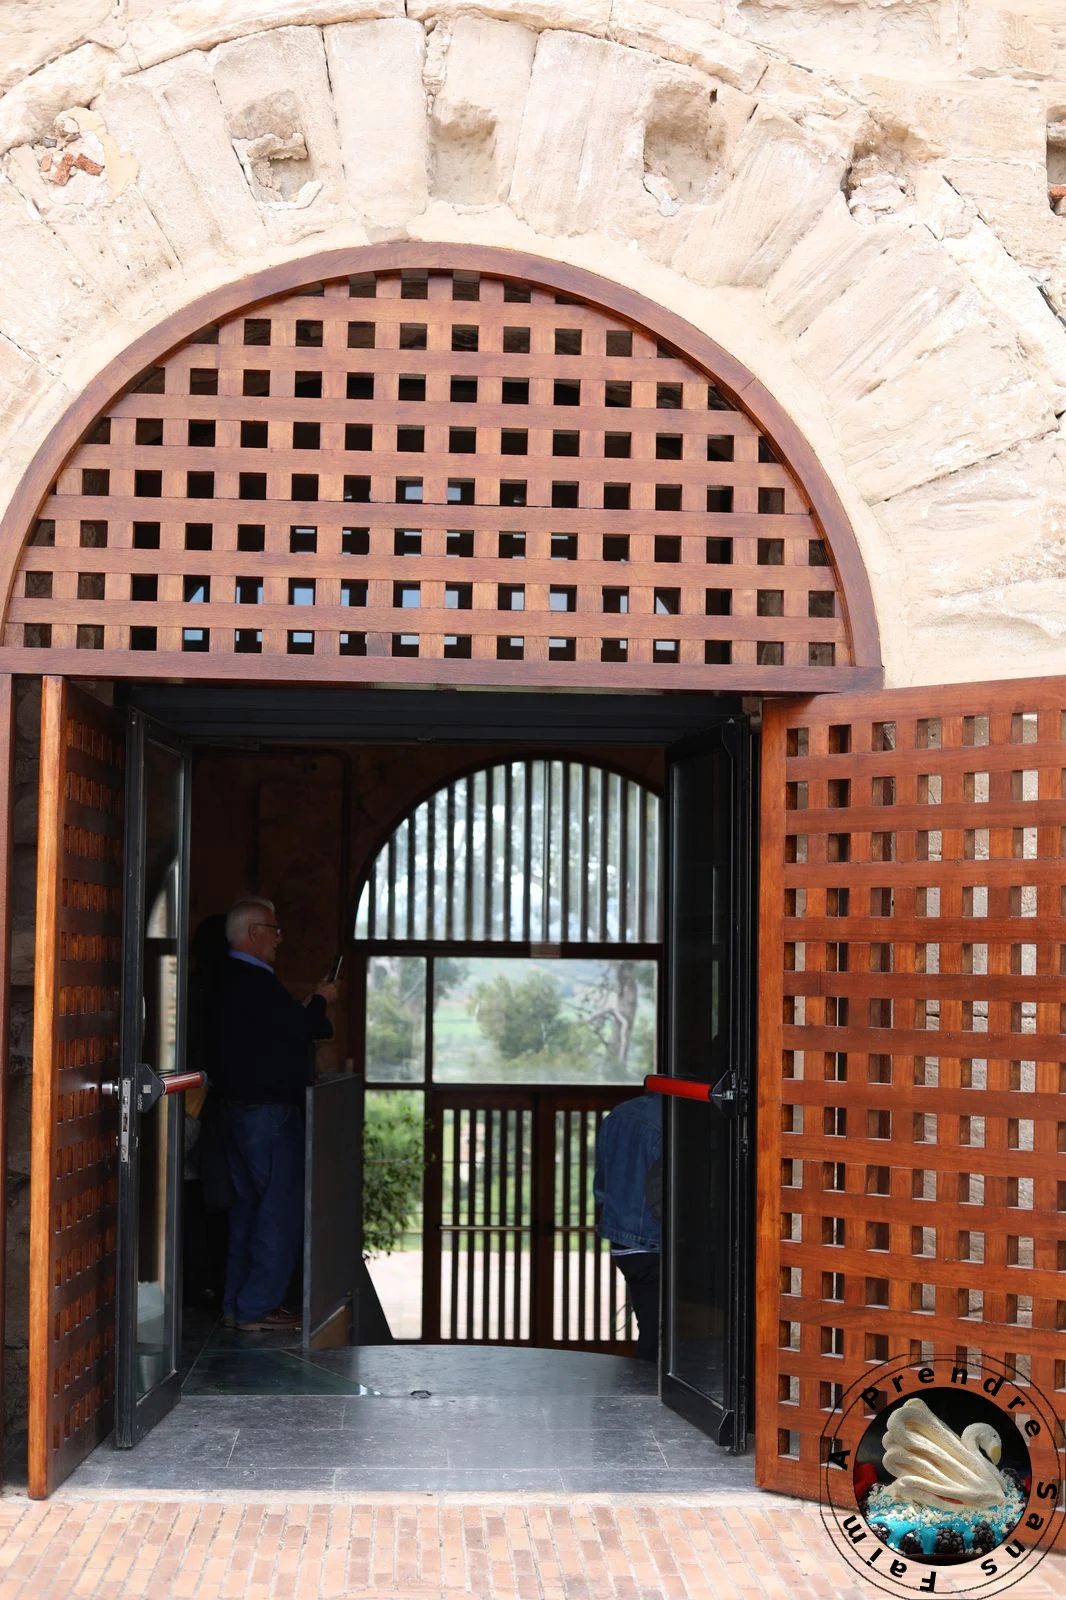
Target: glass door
(151, 1106)
(707, 1034)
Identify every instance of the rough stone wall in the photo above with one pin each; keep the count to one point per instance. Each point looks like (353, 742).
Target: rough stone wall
(851, 196)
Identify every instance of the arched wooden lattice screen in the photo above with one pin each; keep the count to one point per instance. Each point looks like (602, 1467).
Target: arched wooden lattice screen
(912, 1136)
(449, 475)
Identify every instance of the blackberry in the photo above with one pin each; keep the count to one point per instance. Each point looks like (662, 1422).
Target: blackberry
(984, 1540)
(880, 1531)
(949, 1542)
(910, 1545)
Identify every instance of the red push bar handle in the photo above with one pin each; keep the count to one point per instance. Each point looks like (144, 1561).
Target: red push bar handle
(179, 1082)
(680, 1088)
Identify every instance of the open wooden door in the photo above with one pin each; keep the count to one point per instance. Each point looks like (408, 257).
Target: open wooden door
(75, 1054)
(912, 987)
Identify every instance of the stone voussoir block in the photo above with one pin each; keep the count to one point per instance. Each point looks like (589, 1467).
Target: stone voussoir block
(688, 40)
(160, 32)
(478, 109)
(379, 98)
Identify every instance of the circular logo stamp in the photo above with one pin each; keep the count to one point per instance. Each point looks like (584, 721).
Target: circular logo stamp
(942, 1477)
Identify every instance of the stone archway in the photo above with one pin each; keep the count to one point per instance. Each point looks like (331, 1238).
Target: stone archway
(369, 444)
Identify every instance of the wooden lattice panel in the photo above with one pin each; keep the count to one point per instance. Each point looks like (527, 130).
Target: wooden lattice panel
(912, 1138)
(75, 1053)
(437, 476)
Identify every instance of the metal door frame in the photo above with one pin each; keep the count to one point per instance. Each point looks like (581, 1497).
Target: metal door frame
(733, 1095)
(136, 1417)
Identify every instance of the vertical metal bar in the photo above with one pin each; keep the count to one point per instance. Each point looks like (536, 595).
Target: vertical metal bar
(468, 876)
(642, 854)
(562, 1213)
(412, 872)
(454, 1217)
(474, 1116)
(523, 1244)
(581, 1237)
(431, 868)
(390, 919)
(596, 1248)
(605, 811)
(488, 1173)
(503, 1218)
(449, 902)
(508, 845)
(527, 841)
(490, 852)
(623, 862)
(564, 855)
(583, 932)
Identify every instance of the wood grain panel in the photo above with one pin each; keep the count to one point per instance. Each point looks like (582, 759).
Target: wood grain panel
(912, 1144)
(75, 1053)
(267, 489)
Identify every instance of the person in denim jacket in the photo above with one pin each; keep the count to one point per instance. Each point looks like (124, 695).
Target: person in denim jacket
(628, 1190)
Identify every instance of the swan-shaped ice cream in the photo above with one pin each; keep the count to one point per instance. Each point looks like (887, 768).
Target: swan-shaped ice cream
(934, 1466)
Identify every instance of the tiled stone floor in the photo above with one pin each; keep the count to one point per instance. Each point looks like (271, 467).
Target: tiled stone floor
(258, 1416)
(387, 1547)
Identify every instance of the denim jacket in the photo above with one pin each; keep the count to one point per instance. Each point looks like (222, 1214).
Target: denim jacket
(629, 1142)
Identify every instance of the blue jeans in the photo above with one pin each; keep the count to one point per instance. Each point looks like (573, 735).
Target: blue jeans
(265, 1147)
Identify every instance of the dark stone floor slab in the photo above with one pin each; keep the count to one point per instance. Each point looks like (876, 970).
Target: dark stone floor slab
(257, 1413)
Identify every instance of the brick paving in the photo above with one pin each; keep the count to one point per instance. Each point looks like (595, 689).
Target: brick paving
(431, 1547)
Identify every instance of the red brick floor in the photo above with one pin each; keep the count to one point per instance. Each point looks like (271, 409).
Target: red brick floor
(431, 1547)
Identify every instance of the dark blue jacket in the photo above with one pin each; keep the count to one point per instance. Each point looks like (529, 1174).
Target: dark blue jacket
(260, 1037)
(629, 1143)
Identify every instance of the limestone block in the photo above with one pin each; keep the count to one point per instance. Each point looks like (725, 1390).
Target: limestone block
(862, 304)
(23, 381)
(477, 113)
(1011, 197)
(31, 35)
(380, 102)
(161, 29)
(275, 92)
(689, 40)
(967, 400)
(1012, 294)
(171, 120)
(1012, 41)
(897, 33)
(45, 302)
(580, 162)
(583, 16)
(996, 120)
(28, 109)
(783, 176)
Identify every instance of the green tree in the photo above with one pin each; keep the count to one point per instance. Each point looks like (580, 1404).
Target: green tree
(522, 1019)
(393, 1164)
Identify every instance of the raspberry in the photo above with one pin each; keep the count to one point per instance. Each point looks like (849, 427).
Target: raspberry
(949, 1542)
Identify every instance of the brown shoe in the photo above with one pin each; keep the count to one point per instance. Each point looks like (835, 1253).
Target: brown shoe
(273, 1320)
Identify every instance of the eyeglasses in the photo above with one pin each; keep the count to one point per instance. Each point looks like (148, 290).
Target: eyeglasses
(273, 926)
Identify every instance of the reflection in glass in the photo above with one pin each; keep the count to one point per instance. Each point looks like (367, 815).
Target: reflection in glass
(396, 1019)
(393, 1166)
(159, 1129)
(506, 1020)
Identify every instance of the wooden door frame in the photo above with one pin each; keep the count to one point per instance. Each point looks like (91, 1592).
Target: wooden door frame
(7, 792)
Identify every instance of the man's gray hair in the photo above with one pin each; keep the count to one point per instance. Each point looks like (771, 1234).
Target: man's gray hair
(242, 913)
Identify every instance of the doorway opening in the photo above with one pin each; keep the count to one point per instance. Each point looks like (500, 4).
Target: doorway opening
(537, 905)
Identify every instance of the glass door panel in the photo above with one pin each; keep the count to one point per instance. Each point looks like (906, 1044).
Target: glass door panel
(708, 1039)
(152, 1118)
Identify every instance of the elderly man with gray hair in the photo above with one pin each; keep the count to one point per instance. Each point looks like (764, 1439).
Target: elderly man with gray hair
(261, 1055)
